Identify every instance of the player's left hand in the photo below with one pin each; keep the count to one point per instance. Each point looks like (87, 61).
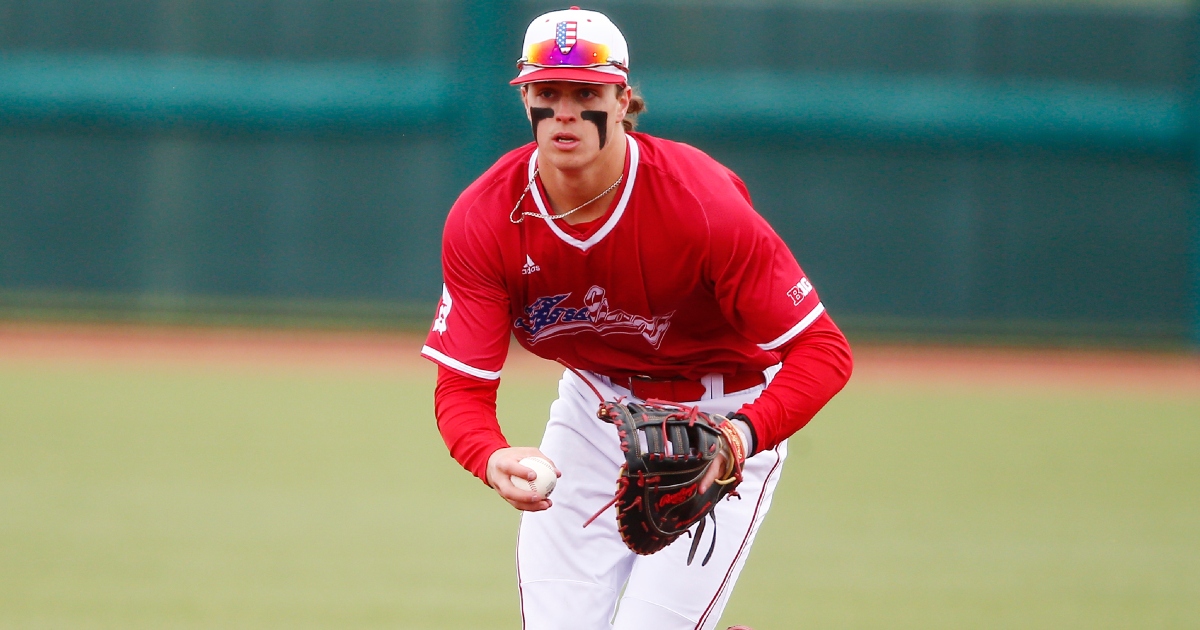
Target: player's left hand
(734, 447)
(720, 463)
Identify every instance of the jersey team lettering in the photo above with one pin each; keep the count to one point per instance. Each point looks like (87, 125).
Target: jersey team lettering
(546, 318)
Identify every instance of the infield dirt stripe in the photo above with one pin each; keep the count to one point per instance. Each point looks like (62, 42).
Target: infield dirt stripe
(923, 365)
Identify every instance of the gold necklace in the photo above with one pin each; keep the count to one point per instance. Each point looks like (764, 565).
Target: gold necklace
(512, 216)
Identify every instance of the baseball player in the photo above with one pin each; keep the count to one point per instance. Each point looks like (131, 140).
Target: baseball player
(640, 263)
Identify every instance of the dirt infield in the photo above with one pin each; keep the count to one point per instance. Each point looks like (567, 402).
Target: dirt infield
(225, 347)
(1021, 367)
(924, 365)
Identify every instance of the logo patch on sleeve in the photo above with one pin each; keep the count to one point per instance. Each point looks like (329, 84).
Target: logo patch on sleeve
(800, 291)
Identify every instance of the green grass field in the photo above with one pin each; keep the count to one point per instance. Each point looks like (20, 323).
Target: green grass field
(168, 496)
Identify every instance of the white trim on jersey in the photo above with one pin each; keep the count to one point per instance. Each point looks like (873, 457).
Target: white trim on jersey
(458, 365)
(796, 330)
(612, 220)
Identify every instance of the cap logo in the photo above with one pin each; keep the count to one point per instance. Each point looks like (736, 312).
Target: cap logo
(564, 36)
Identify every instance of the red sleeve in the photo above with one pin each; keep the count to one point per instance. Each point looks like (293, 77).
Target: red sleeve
(816, 365)
(760, 288)
(471, 328)
(466, 417)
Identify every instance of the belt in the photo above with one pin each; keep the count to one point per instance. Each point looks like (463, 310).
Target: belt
(683, 389)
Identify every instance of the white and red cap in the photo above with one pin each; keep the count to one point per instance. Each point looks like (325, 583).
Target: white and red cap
(573, 45)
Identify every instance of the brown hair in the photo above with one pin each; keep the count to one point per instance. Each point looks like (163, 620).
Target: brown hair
(637, 105)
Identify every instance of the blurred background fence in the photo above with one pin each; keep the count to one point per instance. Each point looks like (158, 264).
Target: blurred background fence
(939, 169)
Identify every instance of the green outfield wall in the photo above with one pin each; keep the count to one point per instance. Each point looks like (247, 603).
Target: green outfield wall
(938, 170)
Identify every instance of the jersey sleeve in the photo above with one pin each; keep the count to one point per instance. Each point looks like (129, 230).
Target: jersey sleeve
(759, 286)
(816, 366)
(470, 329)
(466, 417)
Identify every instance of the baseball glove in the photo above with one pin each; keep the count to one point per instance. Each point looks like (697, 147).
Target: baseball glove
(668, 450)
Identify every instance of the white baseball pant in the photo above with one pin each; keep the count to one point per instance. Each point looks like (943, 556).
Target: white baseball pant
(575, 577)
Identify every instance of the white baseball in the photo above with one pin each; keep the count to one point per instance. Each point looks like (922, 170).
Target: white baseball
(546, 477)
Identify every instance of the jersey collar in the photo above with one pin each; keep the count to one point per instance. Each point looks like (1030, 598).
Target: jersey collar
(626, 191)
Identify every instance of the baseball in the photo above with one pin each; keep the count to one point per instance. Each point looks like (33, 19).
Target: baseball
(546, 477)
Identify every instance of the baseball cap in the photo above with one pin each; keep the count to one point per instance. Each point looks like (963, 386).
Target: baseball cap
(573, 45)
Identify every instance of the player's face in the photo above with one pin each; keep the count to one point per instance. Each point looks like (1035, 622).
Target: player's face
(568, 138)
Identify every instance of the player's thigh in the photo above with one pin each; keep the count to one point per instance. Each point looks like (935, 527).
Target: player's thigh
(554, 544)
(667, 593)
(569, 575)
(559, 604)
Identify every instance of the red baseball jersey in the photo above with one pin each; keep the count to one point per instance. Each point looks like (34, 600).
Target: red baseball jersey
(680, 278)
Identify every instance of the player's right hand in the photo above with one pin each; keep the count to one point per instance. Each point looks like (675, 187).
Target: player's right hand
(504, 463)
